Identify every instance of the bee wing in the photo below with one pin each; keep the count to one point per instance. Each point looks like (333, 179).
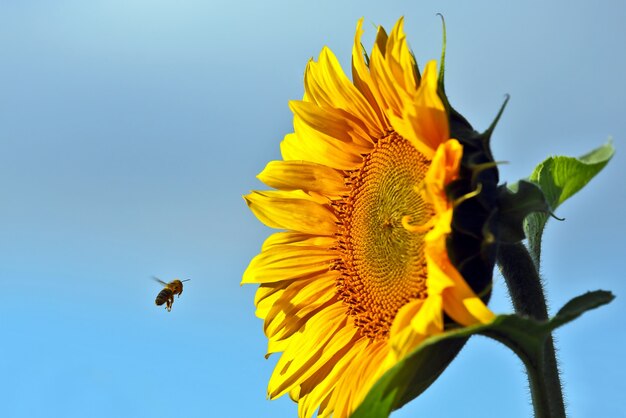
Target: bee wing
(159, 280)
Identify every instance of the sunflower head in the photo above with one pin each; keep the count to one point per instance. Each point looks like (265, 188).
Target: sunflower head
(386, 198)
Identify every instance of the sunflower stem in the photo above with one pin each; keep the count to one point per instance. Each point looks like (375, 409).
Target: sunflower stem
(526, 290)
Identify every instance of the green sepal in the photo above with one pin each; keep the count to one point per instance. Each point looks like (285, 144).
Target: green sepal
(459, 126)
(412, 375)
(560, 178)
(515, 204)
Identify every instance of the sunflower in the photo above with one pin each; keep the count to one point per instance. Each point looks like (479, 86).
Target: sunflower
(385, 220)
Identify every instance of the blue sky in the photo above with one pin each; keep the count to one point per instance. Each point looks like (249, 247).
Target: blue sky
(130, 129)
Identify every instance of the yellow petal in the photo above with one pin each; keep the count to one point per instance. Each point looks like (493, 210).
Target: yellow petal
(327, 150)
(309, 145)
(357, 379)
(290, 148)
(297, 303)
(326, 84)
(458, 299)
(298, 238)
(442, 171)
(400, 60)
(363, 80)
(266, 296)
(302, 175)
(421, 118)
(292, 210)
(429, 320)
(381, 40)
(335, 123)
(394, 69)
(326, 334)
(403, 336)
(389, 94)
(433, 127)
(279, 346)
(287, 262)
(318, 389)
(462, 304)
(404, 316)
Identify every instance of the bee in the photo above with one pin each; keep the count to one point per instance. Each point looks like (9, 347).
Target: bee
(175, 287)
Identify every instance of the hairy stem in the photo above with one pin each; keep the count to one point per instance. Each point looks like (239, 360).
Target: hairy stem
(526, 290)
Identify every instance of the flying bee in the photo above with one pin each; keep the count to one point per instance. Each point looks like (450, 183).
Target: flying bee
(175, 287)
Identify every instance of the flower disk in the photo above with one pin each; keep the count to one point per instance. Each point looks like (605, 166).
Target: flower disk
(383, 264)
(361, 273)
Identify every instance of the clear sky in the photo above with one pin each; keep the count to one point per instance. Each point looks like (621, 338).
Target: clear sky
(130, 129)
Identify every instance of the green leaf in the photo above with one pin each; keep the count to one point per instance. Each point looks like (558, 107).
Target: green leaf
(525, 336)
(580, 304)
(560, 178)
